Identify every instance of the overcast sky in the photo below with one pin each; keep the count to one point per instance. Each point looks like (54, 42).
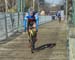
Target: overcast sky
(55, 1)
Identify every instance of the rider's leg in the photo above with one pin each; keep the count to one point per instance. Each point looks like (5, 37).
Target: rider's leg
(28, 29)
(59, 19)
(34, 25)
(34, 39)
(29, 38)
(28, 35)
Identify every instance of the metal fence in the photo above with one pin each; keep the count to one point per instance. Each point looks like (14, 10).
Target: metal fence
(13, 22)
(44, 19)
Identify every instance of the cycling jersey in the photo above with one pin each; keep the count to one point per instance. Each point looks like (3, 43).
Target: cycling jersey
(27, 19)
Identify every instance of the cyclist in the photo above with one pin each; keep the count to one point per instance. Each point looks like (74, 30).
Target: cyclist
(31, 16)
(59, 16)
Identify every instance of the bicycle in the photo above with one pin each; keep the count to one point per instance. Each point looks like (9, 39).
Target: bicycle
(32, 37)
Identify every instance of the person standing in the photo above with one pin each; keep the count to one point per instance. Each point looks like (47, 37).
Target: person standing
(59, 15)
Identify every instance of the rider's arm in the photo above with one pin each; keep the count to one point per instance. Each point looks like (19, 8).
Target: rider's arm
(25, 22)
(37, 21)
